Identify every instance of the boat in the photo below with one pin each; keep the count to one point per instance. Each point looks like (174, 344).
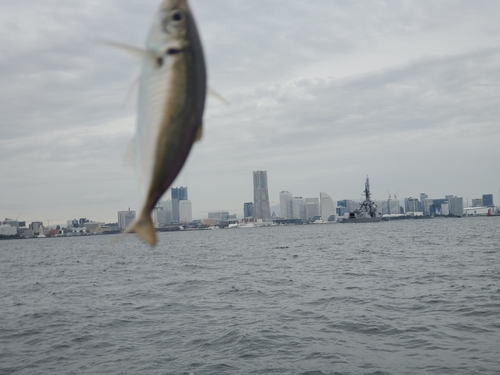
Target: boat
(367, 211)
(247, 225)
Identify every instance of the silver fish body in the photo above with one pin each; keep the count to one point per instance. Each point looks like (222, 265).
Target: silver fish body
(171, 102)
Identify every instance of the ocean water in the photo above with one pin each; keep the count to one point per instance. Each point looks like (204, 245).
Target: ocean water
(402, 297)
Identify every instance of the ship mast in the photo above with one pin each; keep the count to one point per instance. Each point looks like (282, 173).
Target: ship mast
(367, 190)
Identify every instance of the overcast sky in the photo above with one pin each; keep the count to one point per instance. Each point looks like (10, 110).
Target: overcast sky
(322, 93)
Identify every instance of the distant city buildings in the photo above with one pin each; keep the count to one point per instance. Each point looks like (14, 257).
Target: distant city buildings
(327, 207)
(261, 207)
(185, 211)
(488, 200)
(219, 215)
(286, 205)
(299, 208)
(7, 230)
(177, 194)
(478, 202)
(176, 213)
(125, 218)
(248, 210)
(312, 208)
(456, 206)
(412, 205)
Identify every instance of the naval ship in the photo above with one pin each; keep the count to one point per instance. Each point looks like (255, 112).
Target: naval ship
(367, 211)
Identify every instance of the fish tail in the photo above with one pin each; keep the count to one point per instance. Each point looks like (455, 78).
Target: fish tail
(143, 227)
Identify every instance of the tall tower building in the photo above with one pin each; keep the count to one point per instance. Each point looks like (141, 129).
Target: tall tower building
(286, 204)
(312, 207)
(423, 197)
(178, 194)
(185, 211)
(327, 207)
(298, 208)
(261, 208)
(411, 205)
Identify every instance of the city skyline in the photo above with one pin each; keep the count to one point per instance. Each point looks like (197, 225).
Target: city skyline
(407, 97)
(322, 200)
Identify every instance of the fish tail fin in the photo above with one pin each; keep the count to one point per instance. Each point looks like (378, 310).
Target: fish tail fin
(144, 228)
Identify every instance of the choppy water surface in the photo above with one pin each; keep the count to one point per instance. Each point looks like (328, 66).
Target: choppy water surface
(408, 297)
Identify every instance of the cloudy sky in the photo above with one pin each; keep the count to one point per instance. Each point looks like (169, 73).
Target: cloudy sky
(321, 92)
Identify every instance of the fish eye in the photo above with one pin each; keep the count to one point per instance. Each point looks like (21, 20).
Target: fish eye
(177, 16)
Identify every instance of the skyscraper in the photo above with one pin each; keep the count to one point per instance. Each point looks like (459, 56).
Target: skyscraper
(327, 207)
(312, 207)
(298, 208)
(261, 208)
(423, 196)
(185, 211)
(286, 204)
(411, 205)
(178, 194)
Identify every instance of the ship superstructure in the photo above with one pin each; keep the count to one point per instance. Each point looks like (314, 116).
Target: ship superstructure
(367, 210)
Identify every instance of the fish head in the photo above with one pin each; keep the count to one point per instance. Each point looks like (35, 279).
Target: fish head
(171, 28)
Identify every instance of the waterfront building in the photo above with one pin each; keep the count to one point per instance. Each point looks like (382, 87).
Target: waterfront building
(261, 207)
(477, 202)
(341, 211)
(412, 205)
(342, 203)
(11, 222)
(435, 207)
(298, 208)
(477, 211)
(185, 211)
(7, 230)
(456, 205)
(393, 206)
(165, 205)
(219, 215)
(35, 226)
(248, 209)
(423, 197)
(327, 206)
(286, 205)
(426, 205)
(177, 195)
(162, 217)
(125, 218)
(488, 200)
(445, 209)
(312, 207)
(209, 222)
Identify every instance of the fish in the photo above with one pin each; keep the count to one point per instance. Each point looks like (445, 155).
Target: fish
(171, 102)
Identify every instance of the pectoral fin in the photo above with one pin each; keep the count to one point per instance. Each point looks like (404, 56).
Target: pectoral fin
(215, 94)
(131, 50)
